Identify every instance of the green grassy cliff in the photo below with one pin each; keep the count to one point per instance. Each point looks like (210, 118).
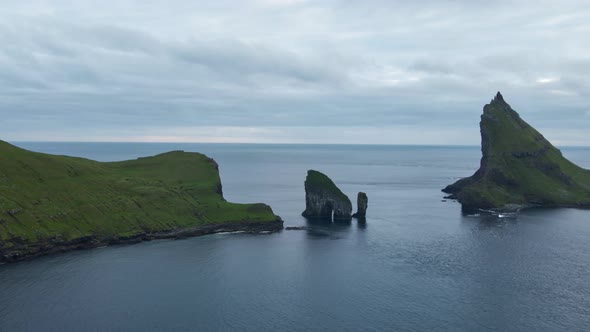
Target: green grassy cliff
(519, 167)
(51, 203)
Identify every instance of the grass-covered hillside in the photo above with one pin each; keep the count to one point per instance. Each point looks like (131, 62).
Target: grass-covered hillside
(47, 200)
(519, 167)
(318, 181)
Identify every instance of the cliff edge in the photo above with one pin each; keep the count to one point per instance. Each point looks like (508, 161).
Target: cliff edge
(54, 203)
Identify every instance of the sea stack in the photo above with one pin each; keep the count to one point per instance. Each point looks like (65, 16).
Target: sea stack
(519, 168)
(324, 199)
(362, 203)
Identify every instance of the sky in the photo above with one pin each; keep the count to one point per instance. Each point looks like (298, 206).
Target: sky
(290, 71)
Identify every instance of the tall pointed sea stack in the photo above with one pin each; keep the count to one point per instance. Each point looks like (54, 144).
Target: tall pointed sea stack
(322, 197)
(519, 168)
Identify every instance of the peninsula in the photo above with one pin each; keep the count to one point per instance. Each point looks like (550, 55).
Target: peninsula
(52, 203)
(519, 168)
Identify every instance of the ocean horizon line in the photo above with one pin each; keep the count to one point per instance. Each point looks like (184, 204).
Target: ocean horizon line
(276, 144)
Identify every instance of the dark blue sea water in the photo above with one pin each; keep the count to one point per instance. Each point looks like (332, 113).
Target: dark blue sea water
(418, 263)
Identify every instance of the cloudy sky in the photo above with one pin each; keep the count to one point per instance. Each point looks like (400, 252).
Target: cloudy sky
(290, 71)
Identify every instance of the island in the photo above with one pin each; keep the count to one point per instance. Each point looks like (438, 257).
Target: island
(52, 203)
(324, 200)
(362, 202)
(519, 168)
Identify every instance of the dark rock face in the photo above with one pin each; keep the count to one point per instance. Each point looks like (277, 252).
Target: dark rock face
(519, 168)
(296, 228)
(362, 203)
(323, 198)
(58, 245)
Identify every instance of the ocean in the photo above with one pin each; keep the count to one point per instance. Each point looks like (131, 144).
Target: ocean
(417, 264)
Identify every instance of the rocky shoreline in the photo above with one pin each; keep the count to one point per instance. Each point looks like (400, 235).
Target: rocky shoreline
(28, 251)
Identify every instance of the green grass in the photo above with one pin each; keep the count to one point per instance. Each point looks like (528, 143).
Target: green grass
(57, 197)
(321, 182)
(520, 167)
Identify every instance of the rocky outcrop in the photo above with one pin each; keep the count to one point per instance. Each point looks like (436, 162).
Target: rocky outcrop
(323, 199)
(57, 245)
(362, 203)
(296, 228)
(519, 168)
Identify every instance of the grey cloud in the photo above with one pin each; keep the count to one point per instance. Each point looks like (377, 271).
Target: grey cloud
(257, 64)
(432, 67)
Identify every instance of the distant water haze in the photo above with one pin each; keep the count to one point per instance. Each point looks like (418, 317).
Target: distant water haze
(417, 263)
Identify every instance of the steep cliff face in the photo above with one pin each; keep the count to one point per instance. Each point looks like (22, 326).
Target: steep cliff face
(322, 198)
(519, 167)
(362, 202)
(55, 203)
